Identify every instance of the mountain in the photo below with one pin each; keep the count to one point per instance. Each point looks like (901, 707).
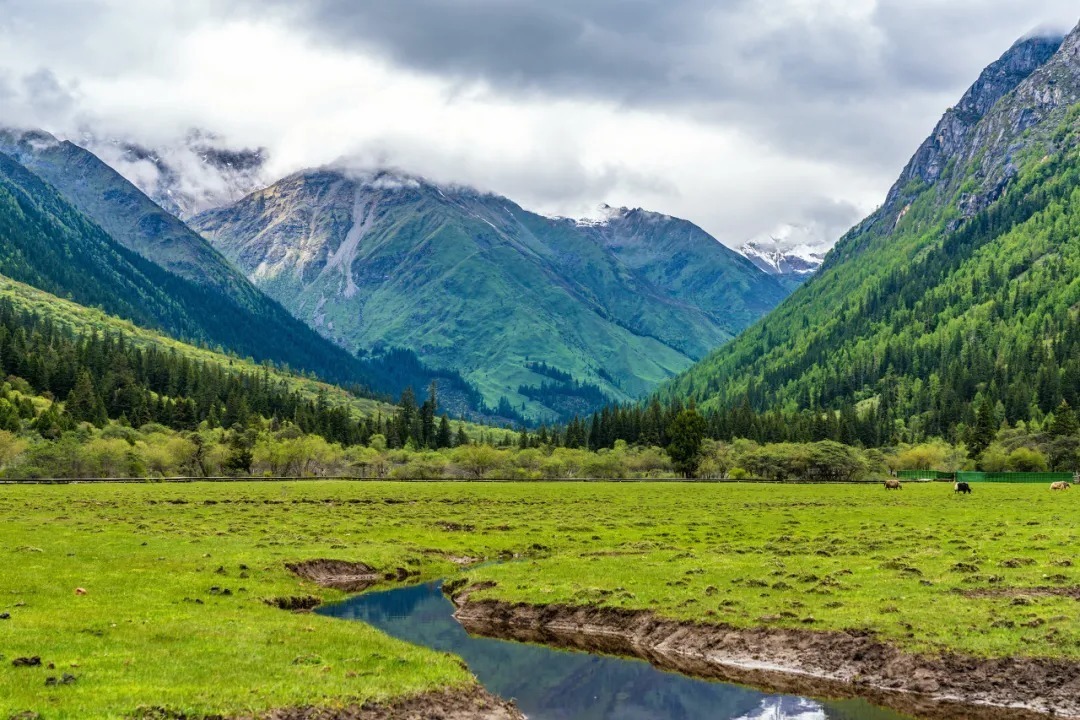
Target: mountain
(127, 214)
(187, 177)
(553, 315)
(47, 242)
(955, 305)
(793, 265)
(684, 262)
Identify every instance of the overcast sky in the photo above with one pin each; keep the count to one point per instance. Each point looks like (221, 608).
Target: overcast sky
(741, 115)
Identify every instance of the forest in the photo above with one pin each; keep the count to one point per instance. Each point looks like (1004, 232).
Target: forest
(943, 326)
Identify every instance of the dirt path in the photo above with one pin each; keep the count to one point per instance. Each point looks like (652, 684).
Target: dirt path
(820, 664)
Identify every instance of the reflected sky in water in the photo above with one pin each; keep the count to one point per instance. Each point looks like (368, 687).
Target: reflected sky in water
(550, 684)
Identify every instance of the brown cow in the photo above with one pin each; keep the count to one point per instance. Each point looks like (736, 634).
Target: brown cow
(893, 484)
(1059, 486)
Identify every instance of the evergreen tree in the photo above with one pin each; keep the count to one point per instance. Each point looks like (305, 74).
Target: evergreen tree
(983, 431)
(444, 439)
(1065, 423)
(83, 402)
(687, 432)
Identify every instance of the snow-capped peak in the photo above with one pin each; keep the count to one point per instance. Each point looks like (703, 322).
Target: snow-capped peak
(789, 250)
(603, 216)
(606, 214)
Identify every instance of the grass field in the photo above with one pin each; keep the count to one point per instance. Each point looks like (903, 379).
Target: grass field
(925, 569)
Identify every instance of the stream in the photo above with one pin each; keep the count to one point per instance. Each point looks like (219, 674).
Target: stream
(551, 684)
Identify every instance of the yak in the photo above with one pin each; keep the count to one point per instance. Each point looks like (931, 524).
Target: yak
(962, 487)
(893, 484)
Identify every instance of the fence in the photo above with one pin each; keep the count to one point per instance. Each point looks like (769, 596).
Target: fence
(1015, 477)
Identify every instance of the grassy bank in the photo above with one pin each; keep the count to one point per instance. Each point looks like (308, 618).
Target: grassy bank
(925, 569)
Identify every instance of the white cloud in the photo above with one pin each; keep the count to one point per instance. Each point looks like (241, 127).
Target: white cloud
(739, 143)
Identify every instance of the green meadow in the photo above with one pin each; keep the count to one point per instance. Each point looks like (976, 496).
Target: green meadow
(177, 576)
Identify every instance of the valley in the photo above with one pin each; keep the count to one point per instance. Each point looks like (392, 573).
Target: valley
(318, 403)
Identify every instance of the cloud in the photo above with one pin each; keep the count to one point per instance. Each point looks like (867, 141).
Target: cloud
(741, 116)
(809, 76)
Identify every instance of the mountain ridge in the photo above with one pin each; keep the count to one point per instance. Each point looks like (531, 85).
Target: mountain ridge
(380, 258)
(51, 244)
(955, 293)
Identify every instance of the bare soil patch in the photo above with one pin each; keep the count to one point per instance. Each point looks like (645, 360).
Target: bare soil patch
(295, 603)
(463, 704)
(471, 704)
(337, 574)
(1069, 592)
(804, 662)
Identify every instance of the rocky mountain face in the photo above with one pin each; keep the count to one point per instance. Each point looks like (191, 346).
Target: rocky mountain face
(959, 292)
(188, 177)
(973, 131)
(552, 315)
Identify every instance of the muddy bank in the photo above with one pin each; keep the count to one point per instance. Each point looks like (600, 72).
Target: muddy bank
(462, 704)
(470, 704)
(800, 662)
(336, 574)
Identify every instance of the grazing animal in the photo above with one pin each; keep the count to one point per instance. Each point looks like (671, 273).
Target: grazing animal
(962, 487)
(893, 485)
(1059, 486)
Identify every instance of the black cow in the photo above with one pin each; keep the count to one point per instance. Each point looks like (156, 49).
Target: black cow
(962, 487)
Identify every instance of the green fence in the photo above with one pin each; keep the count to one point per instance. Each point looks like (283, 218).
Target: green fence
(924, 475)
(1015, 477)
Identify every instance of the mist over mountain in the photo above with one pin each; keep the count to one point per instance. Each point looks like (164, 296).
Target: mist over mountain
(192, 175)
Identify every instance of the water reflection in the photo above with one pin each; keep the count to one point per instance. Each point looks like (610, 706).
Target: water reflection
(550, 684)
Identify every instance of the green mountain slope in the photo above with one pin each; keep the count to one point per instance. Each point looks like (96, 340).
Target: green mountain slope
(513, 301)
(36, 343)
(46, 242)
(127, 215)
(959, 295)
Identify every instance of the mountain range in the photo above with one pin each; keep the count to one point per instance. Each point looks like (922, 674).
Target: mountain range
(381, 280)
(547, 317)
(954, 304)
(956, 297)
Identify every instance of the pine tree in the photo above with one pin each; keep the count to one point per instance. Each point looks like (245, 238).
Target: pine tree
(444, 439)
(427, 416)
(983, 431)
(1065, 423)
(687, 432)
(84, 404)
